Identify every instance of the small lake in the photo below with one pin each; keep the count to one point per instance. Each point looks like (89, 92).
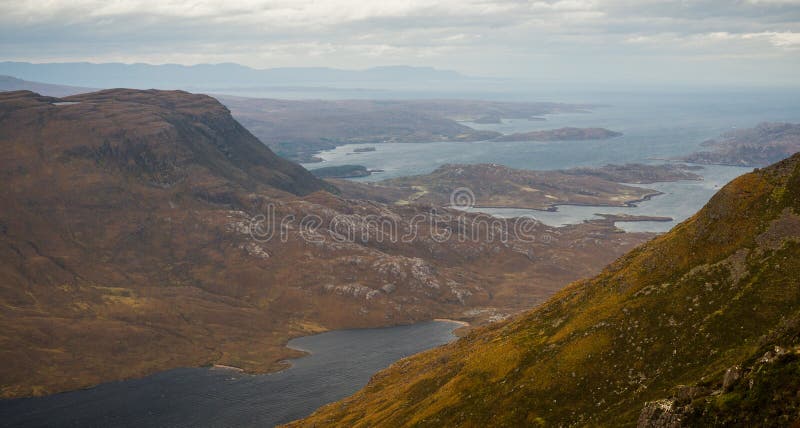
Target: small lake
(341, 362)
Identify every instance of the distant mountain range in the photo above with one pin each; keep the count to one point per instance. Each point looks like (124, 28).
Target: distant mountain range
(221, 76)
(9, 83)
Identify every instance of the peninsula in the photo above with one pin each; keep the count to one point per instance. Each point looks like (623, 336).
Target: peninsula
(561, 134)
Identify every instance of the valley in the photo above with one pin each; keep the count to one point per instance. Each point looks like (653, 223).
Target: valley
(400, 214)
(178, 275)
(187, 272)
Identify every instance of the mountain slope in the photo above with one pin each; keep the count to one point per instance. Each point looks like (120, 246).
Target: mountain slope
(706, 299)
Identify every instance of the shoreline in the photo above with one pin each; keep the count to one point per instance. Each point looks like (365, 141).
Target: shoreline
(289, 364)
(461, 323)
(224, 367)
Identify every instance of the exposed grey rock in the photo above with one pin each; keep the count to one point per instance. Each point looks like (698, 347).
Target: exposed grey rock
(661, 414)
(731, 376)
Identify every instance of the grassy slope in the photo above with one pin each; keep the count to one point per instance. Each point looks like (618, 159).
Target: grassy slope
(679, 310)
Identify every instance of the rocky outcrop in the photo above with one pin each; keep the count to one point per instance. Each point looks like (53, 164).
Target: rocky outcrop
(661, 414)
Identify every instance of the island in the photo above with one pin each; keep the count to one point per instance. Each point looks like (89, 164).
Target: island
(637, 173)
(561, 134)
(489, 119)
(498, 186)
(613, 219)
(342, 171)
(760, 146)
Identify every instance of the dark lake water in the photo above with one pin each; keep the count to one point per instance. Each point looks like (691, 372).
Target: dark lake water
(341, 362)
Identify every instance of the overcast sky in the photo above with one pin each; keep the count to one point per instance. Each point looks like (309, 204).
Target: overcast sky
(723, 41)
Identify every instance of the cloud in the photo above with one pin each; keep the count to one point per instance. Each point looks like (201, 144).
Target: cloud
(784, 40)
(476, 36)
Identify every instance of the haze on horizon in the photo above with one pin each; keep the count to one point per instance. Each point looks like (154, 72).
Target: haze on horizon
(720, 42)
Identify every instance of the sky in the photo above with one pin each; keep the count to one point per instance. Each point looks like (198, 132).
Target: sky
(664, 41)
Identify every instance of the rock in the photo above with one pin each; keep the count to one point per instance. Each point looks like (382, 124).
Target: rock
(661, 414)
(731, 376)
(771, 356)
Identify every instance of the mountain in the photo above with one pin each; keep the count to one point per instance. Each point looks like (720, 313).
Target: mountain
(698, 327)
(219, 76)
(147, 230)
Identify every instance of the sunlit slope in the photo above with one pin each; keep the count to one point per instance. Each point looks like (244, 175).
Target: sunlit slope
(719, 290)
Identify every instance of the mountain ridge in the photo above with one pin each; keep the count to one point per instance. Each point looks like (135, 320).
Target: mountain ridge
(171, 76)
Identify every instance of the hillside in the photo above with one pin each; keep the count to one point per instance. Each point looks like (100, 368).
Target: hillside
(758, 146)
(698, 326)
(130, 242)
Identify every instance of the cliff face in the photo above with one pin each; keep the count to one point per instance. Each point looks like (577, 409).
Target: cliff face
(125, 246)
(697, 326)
